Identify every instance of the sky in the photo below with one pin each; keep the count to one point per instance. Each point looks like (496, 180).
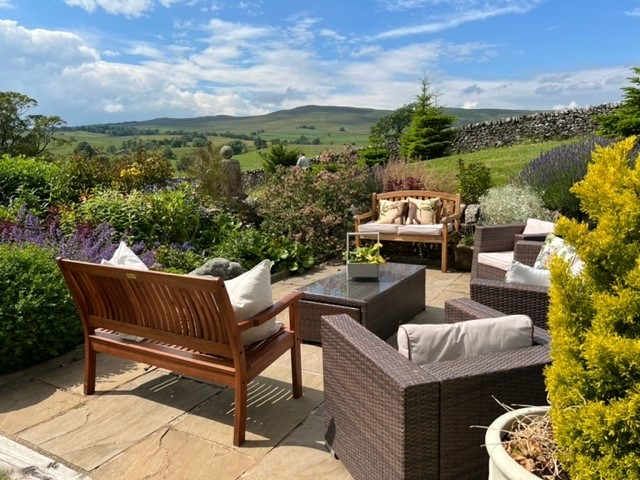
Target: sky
(104, 61)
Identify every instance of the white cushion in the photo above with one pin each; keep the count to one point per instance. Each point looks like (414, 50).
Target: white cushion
(554, 245)
(378, 227)
(521, 273)
(430, 343)
(250, 293)
(501, 260)
(124, 256)
(422, 229)
(536, 226)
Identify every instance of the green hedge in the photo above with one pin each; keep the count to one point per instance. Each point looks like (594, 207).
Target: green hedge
(38, 319)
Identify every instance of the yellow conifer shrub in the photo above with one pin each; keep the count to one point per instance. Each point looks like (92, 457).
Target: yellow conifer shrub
(594, 321)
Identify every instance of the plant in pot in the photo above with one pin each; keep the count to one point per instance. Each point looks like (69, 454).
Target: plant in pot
(463, 253)
(594, 324)
(364, 261)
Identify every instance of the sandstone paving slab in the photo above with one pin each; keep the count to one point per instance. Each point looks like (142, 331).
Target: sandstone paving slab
(25, 404)
(302, 455)
(172, 454)
(97, 430)
(272, 412)
(311, 358)
(111, 372)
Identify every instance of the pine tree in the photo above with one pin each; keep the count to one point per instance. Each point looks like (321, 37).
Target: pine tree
(430, 134)
(624, 121)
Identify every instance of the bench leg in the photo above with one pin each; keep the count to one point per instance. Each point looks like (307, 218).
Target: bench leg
(296, 370)
(443, 260)
(240, 417)
(89, 368)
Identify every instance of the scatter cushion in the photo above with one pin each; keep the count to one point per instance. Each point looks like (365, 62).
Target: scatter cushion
(536, 226)
(521, 273)
(424, 344)
(501, 260)
(422, 211)
(124, 257)
(392, 211)
(554, 245)
(250, 293)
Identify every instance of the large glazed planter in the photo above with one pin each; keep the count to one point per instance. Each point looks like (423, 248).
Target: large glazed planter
(501, 465)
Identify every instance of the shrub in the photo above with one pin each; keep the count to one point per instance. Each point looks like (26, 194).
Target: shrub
(136, 171)
(594, 324)
(38, 319)
(315, 209)
(553, 174)
(29, 181)
(474, 181)
(278, 156)
(84, 173)
(205, 168)
(179, 258)
(511, 204)
(166, 215)
(249, 247)
(397, 175)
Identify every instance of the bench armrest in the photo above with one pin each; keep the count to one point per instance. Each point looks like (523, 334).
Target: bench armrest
(361, 217)
(289, 300)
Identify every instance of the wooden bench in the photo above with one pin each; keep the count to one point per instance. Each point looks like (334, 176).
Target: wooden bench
(184, 323)
(445, 232)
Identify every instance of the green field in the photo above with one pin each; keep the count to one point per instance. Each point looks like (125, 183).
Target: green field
(335, 127)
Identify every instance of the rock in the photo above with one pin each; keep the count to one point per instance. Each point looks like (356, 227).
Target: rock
(219, 267)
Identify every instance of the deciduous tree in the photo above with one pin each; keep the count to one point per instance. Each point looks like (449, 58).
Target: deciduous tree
(22, 134)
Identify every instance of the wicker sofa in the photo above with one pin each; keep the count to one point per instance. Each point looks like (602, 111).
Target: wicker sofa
(387, 418)
(488, 284)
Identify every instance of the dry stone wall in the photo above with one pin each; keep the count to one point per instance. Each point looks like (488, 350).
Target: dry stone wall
(557, 124)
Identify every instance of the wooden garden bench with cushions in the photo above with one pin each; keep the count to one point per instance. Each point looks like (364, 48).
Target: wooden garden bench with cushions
(182, 323)
(441, 225)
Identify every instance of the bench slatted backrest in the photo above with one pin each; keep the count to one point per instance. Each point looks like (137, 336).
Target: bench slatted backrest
(450, 201)
(190, 311)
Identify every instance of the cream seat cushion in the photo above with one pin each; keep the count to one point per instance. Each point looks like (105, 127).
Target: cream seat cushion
(423, 229)
(424, 344)
(501, 260)
(378, 227)
(536, 226)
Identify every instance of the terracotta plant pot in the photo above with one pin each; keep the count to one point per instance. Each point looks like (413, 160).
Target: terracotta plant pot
(501, 465)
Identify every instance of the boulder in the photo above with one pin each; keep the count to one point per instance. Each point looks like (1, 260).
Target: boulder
(219, 267)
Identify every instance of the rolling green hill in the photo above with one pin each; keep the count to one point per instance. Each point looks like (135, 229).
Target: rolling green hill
(355, 120)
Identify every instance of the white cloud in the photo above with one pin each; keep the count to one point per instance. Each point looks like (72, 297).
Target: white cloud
(6, 4)
(633, 13)
(462, 11)
(128, 8)
(470, 104)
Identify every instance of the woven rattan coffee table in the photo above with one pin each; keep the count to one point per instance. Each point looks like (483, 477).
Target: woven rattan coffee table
(397, 297)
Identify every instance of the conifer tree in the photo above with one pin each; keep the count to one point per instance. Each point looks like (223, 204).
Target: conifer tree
(430, 134)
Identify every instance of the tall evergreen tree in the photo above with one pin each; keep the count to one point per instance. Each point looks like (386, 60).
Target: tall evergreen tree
(430, 134)
(624, 121)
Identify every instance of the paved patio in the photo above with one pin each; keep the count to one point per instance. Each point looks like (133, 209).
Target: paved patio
(145, 422)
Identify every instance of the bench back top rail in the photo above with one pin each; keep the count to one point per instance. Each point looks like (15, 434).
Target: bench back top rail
(190, 311)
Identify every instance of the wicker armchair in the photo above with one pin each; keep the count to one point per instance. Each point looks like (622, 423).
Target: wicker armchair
(487, 282)
(503, 238)
(386, 417)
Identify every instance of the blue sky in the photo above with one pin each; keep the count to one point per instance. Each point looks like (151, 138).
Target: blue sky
(99, 61)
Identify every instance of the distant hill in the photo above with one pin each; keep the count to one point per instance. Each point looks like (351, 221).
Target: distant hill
(355, 120)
